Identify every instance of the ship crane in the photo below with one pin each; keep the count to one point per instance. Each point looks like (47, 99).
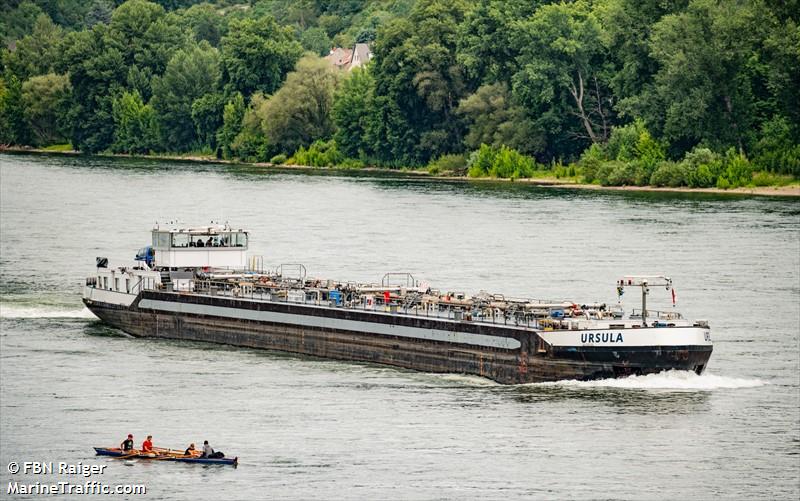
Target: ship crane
(644, 281)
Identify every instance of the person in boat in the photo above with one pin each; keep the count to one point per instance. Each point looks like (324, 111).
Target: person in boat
(127, 444)
(147, 445)
(209, 453)
(207, 450)
(189, 450)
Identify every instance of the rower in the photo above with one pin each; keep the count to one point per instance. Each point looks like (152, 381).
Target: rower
(207, 450)
(147, 445)
(127, 444)
(189, 450)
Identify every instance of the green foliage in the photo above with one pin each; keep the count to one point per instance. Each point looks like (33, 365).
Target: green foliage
(140, 31)
(561, 80)
(278, 159)
(300, 112)
(737, 170)
(206, 23)
(418, 83)
(36, 54)
(207, 115)
(639, 90)
(232, 116)
(319, 154)
(315, 40)
(630, 158)
(18, 22)
(504, 162)
(705, 80)
(353, 111)
(257, 54)
(493, 119)
(455, 165)
(703, 167)
(190, 75)
(592, 161)
(778, 147)
(670, 174)
(136, 128)
(97, 72)
(45, 100)
(13, 128)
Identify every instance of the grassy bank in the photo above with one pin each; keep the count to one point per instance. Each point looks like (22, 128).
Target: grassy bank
(557, 176)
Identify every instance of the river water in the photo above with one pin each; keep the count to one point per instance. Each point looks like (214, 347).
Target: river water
(313, 429)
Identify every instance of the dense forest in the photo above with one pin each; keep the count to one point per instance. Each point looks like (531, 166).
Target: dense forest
(623, 92)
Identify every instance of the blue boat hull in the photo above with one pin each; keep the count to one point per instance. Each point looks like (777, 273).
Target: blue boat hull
(102, 451)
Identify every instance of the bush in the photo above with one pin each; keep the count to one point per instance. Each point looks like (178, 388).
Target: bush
(738, 169)
(590, 162)
(319, 154)
(509, 163)
(503, 163)
(764, 178)
(777, 148)
(669, 174)
(278, 159)
(620, 174)
(702, 167)
(450, 164)
(622, 144)
(251, 147)
(351, 163)
(480, 161)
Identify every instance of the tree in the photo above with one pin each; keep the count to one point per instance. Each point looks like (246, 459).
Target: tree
(353, 108)
(232, 116)
(19, 21)
(207, 117)
(316, 40)
(144, 37)
(136, 128)
(36, 54)
(257, 54)
(627, 25)
(485, 47)
(12, 121)
(418, 84)
(300, 112)
(190, 74)
(97, 73)
(562, 79)
(494, 119)
(206, 23)
(45, 99)
(704, 88)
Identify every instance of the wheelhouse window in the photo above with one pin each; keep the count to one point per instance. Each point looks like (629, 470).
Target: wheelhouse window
(161, 239)
(180, 240)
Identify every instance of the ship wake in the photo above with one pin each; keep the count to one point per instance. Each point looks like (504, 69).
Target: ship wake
(669, 380)
(19, 311)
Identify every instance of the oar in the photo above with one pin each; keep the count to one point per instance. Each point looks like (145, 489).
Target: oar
(134, 453)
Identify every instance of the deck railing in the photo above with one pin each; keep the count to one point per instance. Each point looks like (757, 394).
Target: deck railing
(409, 305)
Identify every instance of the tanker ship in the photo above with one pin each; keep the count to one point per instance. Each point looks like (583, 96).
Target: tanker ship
(199, 284)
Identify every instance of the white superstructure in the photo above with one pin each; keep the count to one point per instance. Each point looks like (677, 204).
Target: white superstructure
(215, 245)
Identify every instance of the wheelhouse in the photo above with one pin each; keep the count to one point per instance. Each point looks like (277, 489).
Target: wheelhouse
(208, 246)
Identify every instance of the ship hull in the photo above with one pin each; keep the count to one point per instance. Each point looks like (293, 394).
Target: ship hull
(506, 354)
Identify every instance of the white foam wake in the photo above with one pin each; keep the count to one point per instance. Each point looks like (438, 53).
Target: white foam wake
(669, 380)
(27, 311)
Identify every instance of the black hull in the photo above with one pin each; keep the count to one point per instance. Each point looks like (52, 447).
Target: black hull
(525, 364)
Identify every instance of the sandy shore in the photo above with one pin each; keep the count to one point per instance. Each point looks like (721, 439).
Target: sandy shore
(782, 191)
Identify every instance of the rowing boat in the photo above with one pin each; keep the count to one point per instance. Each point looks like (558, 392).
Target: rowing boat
(163, 455)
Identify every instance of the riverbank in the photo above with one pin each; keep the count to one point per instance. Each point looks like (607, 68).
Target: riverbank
(791, 190)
